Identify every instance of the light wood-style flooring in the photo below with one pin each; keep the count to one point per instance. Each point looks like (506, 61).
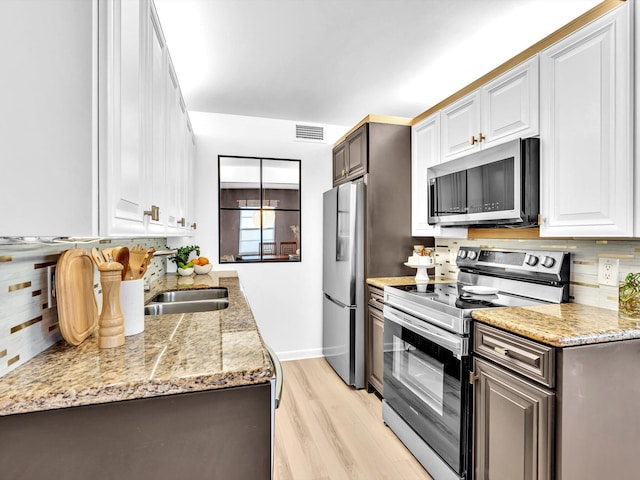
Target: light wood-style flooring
(327, 430)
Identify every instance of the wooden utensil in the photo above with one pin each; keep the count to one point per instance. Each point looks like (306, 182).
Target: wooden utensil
(107, 253)
(122, 257)
(136, 260)
(77, 307)
(97, 256)
(147, 260)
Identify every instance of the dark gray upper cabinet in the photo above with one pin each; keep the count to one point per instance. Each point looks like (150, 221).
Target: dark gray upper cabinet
(351, 157)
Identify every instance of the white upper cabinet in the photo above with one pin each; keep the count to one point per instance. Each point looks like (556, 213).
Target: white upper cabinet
(156, 68)
(502, 110)
(460, 127)
(48, 123)
(510, 105)
(586, 131)
(425, 152)
(122, 160)
(174, 159)
(85, 126)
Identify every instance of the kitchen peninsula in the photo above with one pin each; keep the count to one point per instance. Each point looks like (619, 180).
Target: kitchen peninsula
(160, 406)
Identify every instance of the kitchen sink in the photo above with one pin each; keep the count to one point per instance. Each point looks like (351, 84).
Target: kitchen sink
(188, 301)
(186, 307)
(191, 295)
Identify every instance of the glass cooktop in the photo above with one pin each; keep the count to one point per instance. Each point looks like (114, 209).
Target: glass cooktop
(454, 295)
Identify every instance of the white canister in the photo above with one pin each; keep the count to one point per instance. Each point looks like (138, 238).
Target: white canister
(132, 306)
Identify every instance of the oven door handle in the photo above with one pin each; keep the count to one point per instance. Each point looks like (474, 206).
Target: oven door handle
(450, 341)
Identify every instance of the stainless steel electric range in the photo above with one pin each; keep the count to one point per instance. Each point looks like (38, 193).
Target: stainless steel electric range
(427, 354)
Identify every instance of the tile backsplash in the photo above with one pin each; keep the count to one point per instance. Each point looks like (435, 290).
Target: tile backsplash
(584, 287)
(28, 324)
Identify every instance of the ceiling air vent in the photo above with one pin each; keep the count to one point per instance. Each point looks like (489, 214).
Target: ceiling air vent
(310, 133)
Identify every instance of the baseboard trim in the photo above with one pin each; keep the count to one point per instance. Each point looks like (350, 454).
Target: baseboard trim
(299, 354)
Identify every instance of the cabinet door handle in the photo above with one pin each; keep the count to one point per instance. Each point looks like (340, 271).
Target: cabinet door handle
(473, 377)
(481, 137)
(473, 140)
(181, 221)
(154, 213)
(343, 172)
(501, 350)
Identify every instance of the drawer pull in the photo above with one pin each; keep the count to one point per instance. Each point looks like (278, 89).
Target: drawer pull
(501, 350)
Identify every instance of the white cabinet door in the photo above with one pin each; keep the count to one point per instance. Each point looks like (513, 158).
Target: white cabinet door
(172, 146)
(502, 110)
(156, 123)
(460, 127)
(191, 165)
(425, 152)
(48, 119)
(510, 107)
(586, 120)
(122, 166)
(186, 187)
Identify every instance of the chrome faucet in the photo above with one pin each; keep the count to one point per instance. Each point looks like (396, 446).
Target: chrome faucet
(160, 253)
(164, 253)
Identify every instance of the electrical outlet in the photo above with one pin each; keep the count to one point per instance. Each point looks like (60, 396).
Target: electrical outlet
(51, 286)
(608, 271)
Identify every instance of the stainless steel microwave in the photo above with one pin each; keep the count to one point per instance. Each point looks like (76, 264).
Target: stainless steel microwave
(496, 186)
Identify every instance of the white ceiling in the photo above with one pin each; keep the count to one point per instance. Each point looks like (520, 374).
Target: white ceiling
(335, 61)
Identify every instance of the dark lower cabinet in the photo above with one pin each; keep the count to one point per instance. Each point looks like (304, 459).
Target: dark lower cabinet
(375, 343)
(514, 426)
(374, 340)
(561, 413)
(217, 434)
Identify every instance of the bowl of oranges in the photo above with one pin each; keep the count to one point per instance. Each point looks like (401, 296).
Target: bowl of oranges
(201, 265)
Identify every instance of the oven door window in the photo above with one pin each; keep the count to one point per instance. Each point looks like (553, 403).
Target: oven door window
(418, 373)
(423, 384)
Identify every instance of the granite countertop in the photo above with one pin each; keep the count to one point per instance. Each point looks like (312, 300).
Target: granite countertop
(558, 325)
(561, 325)
(175, 354)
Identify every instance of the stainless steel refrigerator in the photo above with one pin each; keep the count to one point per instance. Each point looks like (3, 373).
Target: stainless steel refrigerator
(343, 281)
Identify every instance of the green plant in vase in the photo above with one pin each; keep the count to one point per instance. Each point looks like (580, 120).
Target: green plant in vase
(181, 258)
(629, 296)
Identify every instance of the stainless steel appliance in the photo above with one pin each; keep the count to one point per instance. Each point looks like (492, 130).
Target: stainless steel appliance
(343, 282)
(427, 356)
(499, 185)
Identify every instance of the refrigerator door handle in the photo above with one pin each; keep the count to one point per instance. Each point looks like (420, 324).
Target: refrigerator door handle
(340, 304)
(353, 231)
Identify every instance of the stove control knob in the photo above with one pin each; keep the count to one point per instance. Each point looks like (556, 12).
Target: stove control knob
(472, 255)
(548, 262)
(462, 254)
(531, 260)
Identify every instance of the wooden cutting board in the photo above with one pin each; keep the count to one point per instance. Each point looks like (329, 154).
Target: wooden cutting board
(77, 306)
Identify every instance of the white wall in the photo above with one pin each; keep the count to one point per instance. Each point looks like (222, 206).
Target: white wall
(286, 298)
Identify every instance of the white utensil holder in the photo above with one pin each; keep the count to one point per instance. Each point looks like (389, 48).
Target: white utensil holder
(132, 306)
